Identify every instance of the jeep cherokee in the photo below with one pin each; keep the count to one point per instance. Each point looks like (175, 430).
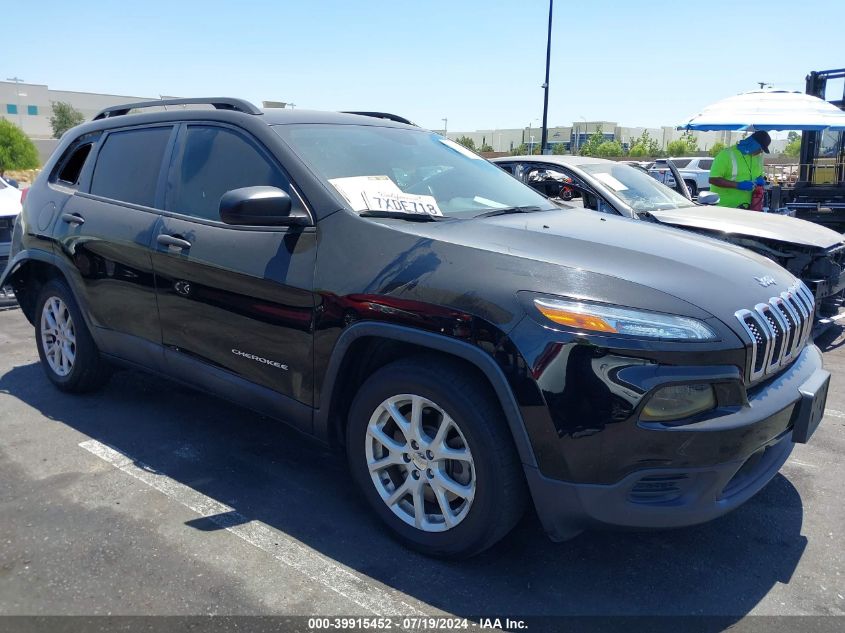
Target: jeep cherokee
(468, 344)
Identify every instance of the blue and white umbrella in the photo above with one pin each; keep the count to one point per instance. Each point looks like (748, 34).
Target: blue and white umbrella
(768, 110)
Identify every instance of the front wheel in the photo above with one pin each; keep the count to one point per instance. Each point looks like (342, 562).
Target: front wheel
(693, 190)
(68, 354)
(429, 448)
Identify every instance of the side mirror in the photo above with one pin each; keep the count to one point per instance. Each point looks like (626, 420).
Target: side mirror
(258, 206)
(708, 197)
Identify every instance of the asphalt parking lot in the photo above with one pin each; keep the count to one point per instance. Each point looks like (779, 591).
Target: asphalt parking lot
(150, 498)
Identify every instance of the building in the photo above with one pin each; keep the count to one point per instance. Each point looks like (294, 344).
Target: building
(29, 106)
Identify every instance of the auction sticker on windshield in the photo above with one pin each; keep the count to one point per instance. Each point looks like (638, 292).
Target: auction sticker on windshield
(402, 203)
(380, 193)
(354, 187)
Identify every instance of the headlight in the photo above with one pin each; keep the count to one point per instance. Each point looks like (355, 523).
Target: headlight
(599, 318)
(677, 402)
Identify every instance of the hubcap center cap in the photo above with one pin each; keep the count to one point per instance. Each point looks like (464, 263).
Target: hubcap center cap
(419, 460)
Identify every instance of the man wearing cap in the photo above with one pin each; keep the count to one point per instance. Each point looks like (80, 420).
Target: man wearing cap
(738, 169)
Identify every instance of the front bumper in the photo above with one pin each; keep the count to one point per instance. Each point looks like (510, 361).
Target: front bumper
(751, 446)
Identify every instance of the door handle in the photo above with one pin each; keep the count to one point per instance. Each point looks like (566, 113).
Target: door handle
(72, 218)
(170, 240)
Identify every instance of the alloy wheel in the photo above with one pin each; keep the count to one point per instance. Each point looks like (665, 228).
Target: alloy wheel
(420, 463)
(58, 336)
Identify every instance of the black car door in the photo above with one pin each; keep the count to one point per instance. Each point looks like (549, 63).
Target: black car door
(105, 229)
(233, 298)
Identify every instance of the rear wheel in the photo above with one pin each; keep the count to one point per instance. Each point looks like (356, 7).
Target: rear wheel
(68, 354)
(430, 450)
(693, 190)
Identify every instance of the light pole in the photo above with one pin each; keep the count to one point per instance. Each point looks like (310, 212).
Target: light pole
(578, 132)
(545, 134)
(531, 138)
(445, 121)
(17, 81)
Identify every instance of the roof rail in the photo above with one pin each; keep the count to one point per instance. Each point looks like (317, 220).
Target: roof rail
(220, 103)
(385, 115)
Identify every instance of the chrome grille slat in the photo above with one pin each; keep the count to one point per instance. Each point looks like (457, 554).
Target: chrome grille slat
(792, 323)
(777, 330)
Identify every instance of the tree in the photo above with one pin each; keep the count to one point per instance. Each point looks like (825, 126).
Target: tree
(486, 148)
(691, 142)
(610, 148)
(466, 142)
(592, 145)
(793, 148)
(793, 145)
(683, 146)
(16, 150)
(559, 148)
(65, 116)
(676, 148)
(644, 146)
(520, 150)
(718, 146)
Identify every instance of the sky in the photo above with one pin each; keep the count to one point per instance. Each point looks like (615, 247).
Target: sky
(479, 64)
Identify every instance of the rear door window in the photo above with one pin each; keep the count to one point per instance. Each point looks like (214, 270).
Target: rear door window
(215, 160)
(129, 164)
(680, 163)
(705, 163)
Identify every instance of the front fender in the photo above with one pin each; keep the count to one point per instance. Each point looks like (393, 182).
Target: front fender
(436, 342)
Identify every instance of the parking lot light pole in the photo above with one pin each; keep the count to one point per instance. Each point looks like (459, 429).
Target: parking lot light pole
(530, 135)
(545, 134)
(445, 121)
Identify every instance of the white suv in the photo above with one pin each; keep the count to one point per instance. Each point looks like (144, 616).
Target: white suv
(10, 207)
(695, 170)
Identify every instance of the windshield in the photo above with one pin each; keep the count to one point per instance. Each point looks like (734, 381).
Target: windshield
(362, 161)
(635, 188)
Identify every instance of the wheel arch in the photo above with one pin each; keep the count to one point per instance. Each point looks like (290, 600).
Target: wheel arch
(28, 273)
(364, 347)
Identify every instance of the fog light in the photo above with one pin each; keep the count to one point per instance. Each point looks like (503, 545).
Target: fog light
(679, 401)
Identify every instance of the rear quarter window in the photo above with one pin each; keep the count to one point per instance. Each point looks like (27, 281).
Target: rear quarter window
(129, 164)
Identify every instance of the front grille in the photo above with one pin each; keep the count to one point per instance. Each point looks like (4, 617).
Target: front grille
(778, 329)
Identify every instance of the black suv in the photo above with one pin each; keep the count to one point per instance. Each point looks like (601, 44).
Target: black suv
(468, 344)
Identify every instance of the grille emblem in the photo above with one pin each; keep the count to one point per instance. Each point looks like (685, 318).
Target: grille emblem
(766, 281)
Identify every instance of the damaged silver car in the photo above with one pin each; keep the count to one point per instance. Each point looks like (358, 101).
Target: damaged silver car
(810, 251)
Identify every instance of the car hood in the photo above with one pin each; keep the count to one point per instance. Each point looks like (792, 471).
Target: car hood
(716, 277)
(752, 224)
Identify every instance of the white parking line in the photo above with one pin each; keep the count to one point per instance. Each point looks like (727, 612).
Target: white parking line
(834, 414)
(289, 551)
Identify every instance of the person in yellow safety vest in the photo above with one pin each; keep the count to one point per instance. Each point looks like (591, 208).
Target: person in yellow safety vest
(737, 169)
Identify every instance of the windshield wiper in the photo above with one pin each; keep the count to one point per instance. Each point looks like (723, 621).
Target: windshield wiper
(508, 211)
(414, 217)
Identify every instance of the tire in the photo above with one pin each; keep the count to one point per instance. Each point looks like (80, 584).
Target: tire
(482, 458)
(693, 190)
(68, 354)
